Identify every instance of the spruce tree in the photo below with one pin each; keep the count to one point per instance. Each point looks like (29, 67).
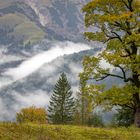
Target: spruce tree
(61, 107)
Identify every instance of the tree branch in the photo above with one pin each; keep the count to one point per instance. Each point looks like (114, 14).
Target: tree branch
(107, 75)
(130, 5)
(127, 6)
(118, 24)
(111, 37)
(128, 51)
(124, 75)
(123, 71)
(117, 36)
(129, 106)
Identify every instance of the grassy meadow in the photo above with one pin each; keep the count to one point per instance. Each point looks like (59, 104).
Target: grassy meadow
(12, 131)
(22, 26)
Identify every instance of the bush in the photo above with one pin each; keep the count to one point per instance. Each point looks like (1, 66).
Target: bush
(95, 120)
(124, 117)
(32, 115)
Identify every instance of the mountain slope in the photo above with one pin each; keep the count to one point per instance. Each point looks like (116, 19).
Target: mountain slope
(25, 21)
(16, 24)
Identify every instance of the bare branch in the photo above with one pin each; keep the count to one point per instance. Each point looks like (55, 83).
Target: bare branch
(129, 106)
(102, 78)
(111, 37)
(105, 75)
(129, 79)
(130, 5)
(109, 74)
(123, 71)
(118, 24)
(128, 51)
(124, 75)
(117, 36)
(127, 6)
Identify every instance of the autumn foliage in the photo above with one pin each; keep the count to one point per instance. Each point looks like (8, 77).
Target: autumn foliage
(32, 115)
(117, 24)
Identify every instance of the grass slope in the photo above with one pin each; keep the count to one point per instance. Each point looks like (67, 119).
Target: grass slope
(22, 26)
(5, 3)
(11, 131)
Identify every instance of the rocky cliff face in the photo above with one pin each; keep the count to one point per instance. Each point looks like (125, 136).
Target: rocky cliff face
(61, 18)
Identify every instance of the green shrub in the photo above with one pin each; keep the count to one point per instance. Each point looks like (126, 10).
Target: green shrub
(95, 120)
(124, 117)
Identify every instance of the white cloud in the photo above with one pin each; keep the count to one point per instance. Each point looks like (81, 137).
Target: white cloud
(104, 64)
(75, 68)
(38, 98)
(35, 62)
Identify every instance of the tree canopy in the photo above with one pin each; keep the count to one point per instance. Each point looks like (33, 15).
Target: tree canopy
(117, 24)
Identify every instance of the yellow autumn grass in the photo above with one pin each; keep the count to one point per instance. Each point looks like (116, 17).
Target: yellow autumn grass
(13, 131)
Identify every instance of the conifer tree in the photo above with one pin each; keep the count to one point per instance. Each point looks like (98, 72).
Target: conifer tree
(61, 107)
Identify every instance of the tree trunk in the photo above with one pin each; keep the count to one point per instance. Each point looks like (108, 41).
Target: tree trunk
(137, 117)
